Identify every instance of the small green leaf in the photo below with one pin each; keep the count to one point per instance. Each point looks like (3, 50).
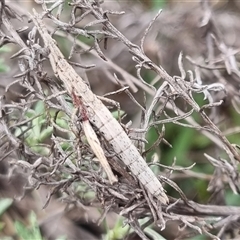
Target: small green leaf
(117, 113)
(45, 134)
(159, 4)
(5, 203)
(3, 66)
(5, 49)
(39, 107)
(31, 232)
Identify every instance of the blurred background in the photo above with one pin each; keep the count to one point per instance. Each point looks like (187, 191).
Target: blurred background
(179, 28)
